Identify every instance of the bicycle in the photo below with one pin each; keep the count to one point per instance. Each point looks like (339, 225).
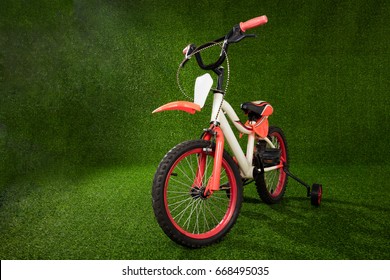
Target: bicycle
(198, 186)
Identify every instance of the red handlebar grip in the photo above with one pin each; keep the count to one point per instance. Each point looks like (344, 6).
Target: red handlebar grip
(252, 23)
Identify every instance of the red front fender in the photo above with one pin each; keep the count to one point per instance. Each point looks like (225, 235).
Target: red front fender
(185, 106)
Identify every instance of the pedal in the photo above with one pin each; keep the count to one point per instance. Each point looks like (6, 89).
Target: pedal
(270, 157)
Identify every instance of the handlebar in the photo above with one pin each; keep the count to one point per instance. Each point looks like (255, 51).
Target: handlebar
(252, 23)
(234, 36)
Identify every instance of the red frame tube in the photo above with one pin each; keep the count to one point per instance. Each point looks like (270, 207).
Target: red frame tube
(214, 183)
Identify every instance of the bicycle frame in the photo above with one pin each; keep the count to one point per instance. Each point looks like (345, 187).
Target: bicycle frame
(220, 130)
(189, 202)
(220, 127)
(244, 160)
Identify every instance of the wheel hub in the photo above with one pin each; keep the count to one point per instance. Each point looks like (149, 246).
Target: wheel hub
(198, 192)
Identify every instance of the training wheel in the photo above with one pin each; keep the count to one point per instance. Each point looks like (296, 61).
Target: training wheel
(316, 194)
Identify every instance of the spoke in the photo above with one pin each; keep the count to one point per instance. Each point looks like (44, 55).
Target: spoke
(199, 164)
(183, 211)
(211, 213)
(273, 178)
(184, 173)
(268, 177)
(205, 224)
(220, 198)
(179, 182)
(223, 176)
(180, 201)
(219, 208)
(189, 217)
(178, 196)
(190, 166)
(197, 216)
(209, 177)
(269, 182)
(177, 192)
(205, 170)
(173, 210)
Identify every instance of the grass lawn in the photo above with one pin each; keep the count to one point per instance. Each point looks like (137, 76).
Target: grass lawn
(78, 83)
(106, 213)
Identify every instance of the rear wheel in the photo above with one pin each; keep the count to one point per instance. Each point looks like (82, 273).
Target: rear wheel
(272, 189)
(185, 214)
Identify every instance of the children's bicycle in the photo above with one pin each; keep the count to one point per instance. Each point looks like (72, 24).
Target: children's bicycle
(198, 186)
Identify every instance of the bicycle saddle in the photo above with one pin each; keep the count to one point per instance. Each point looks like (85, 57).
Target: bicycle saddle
(260, 108)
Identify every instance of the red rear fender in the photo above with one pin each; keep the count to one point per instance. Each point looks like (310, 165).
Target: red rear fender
(185, 106)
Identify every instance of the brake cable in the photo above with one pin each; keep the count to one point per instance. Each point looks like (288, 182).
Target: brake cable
(220, 44)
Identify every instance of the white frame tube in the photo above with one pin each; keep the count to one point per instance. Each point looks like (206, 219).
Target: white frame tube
(244, 162)
(218, 98)
(245, 166)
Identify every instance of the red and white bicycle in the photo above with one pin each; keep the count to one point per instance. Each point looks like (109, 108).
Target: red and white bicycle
(198, 186)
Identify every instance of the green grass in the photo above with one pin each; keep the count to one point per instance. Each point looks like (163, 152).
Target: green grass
(107, 214)
(79, 80)
(79, 145)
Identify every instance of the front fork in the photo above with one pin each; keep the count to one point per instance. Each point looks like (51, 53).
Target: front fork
(213, 132)
(215, 178)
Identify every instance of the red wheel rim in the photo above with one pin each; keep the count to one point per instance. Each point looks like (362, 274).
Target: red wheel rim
(223, 218)
(283, 157)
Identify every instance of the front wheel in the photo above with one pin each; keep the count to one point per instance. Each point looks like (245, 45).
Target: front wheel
(183, 211)
(272, 188)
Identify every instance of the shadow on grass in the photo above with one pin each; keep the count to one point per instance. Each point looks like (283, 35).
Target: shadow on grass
(22, 186)
(338, 229)
(107, 214)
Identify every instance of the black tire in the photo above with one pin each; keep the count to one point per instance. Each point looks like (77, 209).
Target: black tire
(316, 194)
(272, 189)
(174, 191)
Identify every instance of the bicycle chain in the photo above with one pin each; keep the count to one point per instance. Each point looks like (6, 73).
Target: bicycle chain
(227, 79)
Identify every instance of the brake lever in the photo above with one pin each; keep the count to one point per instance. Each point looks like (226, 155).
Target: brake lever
(240, 37)
(250, 36)
(236, 35)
